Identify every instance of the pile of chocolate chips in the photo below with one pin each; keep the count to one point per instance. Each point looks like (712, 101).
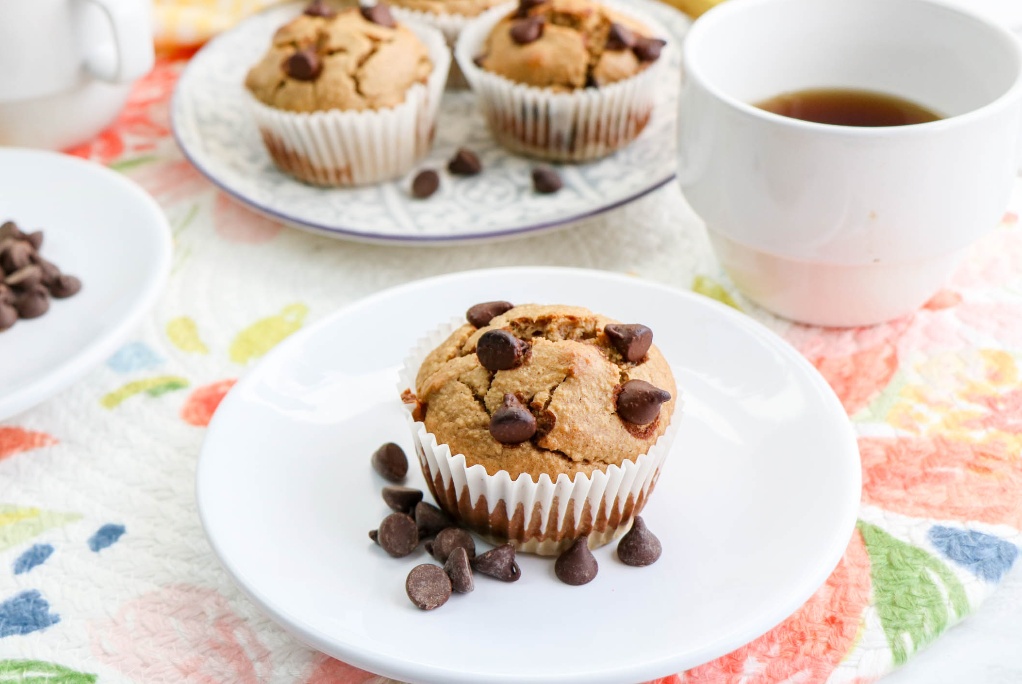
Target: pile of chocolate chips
(465, 162)
(27, 280)
(413, 521)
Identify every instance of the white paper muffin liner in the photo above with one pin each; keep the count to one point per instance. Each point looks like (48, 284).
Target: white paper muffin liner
(341, 148)
(448, 24)
(537, 517)
(558, 126)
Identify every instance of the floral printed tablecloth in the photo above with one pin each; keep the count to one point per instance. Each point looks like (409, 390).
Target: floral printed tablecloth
(105, 574)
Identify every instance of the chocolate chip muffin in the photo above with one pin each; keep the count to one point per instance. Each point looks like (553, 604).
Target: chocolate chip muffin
(333, 81)
(522, 397)
(567, 80)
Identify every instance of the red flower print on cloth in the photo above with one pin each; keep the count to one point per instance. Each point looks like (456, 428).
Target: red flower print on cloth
(200, 405)
(184, 634)
(859, 377)
(810, 644)
(14, 440)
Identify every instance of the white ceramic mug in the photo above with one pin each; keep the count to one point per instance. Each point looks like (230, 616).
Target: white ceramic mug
(66, 66)
(840, 225)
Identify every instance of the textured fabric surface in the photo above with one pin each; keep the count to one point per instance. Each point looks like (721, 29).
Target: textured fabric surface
(104, 571)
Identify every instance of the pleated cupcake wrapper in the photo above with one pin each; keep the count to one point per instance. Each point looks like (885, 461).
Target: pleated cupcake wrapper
(341, 148)
(566, 127)
(537, 517)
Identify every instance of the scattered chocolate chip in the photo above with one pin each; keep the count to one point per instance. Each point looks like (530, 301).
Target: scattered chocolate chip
(379, 14)
(459, 571)
(525, 31)
(304, 65)
(631, 340)
(429, 547)
(577, 565)
(545, 180)
(480, 315)
(35, 239)
(32, 302)
(425, 184)
(398, 535)
(50, 271)
(639, 402)
(428, 586)
(26, 277)
(452, 538)
(639, 547)
(500, 350)
(464, 163)
(6, 294)
(512, 423)
(648, 49)
(10, 229)
(374, 535)
(402, 499)
(525, 5)
(619, 38)
(390, 462)
(15, 255)
(65, 286)
(318, 8)
(430, 519)
(8, 315)
(499, 563)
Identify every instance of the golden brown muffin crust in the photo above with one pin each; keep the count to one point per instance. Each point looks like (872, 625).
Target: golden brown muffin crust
(570, 382)
(468, 8)
(364, 65)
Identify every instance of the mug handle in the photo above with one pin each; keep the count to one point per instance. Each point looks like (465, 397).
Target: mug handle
(132, 55)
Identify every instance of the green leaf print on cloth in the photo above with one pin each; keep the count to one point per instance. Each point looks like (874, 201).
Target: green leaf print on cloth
(38, 672)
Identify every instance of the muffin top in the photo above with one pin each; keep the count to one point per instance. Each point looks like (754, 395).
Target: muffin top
(567, 45)
(468, 8)
(355, 59)
(570, 394)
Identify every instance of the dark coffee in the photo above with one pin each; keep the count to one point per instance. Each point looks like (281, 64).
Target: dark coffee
(847, 107)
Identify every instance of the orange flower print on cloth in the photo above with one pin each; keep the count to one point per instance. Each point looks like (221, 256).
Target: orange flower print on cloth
(859, 377)
(200, 405)
(184, 634)
(810, 644)
(14, 440)
(330, 671)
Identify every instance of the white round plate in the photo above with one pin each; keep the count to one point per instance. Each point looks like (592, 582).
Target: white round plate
(215, 131)
(755, 505)
(98, 226)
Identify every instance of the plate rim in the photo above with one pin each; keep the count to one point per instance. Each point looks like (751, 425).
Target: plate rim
(377, 662)
(363, 236)
(59, 378)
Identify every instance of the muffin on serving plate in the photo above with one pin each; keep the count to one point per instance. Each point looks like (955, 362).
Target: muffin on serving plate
(541, 424)
(348, 97)
(563, 80)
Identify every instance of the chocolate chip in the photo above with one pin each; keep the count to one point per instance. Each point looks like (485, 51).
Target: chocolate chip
(480, 315)
(632, 341)
(374, 535)
(428, 586)
(430, 519)
(577, 565)
(10, 229)
(525, 31)
(459, 571)
(390, 462)
(425, 184)
(429, 547)
(15, 255)
(639, 402)
(401, 499)
(379, 14)
(8, 315)
(65, 286)
(318, 8)
(452, 538)
(648, 49)
(499, 563)
(398, 535)
(639, 547)
(512, 423)
(619, 38)
(464, 163)
(50, 271)
(525, 5)
(35, 239)
(7, 295)
(304, 65)
(29, 276)
(500, 350)
(545, 180)
(33, 302)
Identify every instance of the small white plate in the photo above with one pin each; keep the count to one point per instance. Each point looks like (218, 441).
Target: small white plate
(215, 131)
(99, 226)
(755, 505)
